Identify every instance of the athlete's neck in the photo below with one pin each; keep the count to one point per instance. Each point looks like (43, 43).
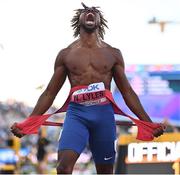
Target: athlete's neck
(90, 40)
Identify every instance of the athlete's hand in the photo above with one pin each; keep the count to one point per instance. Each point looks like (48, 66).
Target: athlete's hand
(16, 131)
(160, 130)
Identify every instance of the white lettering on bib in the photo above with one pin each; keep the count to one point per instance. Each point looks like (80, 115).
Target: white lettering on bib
(92, 95)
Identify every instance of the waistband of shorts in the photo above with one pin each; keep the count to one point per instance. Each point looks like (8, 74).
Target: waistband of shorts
(82, 105)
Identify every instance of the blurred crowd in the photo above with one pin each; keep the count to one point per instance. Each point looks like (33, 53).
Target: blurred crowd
(38, 153)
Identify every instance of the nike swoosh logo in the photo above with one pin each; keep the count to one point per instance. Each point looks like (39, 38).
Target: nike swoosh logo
(108, 158)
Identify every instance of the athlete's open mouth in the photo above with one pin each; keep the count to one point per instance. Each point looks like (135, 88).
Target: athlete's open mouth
(90, 18)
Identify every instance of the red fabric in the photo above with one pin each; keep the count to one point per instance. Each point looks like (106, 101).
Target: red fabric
(33, 123)
(145, 129)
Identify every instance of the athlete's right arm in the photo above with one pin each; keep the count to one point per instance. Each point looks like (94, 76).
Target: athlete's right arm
(47, 97)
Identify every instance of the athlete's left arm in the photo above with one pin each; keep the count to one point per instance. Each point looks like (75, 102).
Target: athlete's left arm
(129, 96)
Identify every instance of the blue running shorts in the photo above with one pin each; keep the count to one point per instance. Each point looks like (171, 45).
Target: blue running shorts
(93, 125)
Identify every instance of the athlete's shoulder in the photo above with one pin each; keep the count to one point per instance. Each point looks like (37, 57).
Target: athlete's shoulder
(62, 53)
(111, 48)
(116, 52)
(61, 56)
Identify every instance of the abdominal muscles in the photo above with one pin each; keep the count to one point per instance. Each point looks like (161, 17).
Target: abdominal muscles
(88, 76)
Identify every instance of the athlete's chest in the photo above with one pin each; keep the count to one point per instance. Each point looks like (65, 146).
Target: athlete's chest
(82, 59)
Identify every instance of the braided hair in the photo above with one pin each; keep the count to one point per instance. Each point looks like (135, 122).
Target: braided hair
(75, 21)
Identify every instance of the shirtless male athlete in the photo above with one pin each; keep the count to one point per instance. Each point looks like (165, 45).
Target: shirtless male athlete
(89, 61)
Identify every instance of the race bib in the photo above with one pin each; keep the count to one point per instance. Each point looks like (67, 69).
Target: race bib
(92, 95)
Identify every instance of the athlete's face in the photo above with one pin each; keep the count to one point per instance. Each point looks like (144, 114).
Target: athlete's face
(89, 19)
